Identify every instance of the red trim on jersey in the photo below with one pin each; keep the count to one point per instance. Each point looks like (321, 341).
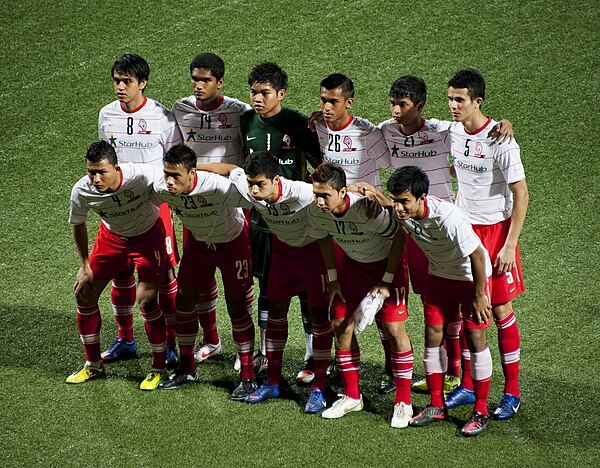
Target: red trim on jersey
(280, 187)
(195, 182)
(425, 210)
(343, 127)
(120, 180)
(480, 128)
(221, 99)
(136, 109)
(346, 208)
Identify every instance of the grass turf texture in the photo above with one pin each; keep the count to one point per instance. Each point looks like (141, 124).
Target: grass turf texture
(540, 60)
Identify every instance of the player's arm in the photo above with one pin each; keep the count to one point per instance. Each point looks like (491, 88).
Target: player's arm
(223, 169)
(505, 260)
(84, 275)
(328, 253)
(396, 256)
(502, 131)
(312, 149)
(480, 308)
(371, 192)
(316, 116)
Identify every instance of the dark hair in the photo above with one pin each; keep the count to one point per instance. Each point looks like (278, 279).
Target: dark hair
(100, 150)
(131, 65)
(269, 72)
(337, 80)
(181, 155)
(262, 163)
(470, 79)
(328, 173)
(408, 179)
(210, 62)
(411, 87)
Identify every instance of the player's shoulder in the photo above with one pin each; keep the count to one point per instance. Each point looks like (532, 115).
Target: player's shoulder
(294, 115)
(233, 103)
(111, 108)
(503, 147)
(363, 124)
(185, 104)
(248, 115)
(387, 125)
(154, 107)
(436, 125)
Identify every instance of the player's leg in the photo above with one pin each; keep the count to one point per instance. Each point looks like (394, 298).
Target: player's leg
(306, 374)
(122, 298)
(206, 308)
(167, 294)
(322, 342)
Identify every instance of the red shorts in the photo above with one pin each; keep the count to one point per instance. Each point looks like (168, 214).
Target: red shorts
(418, 266)
(357, 279)
(297, 269)
(170, 238)
(200, 261)
(444, 298)
(505, 286)
(112, 253)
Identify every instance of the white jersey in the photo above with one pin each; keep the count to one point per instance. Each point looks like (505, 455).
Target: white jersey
(208, 211)
(215, 134)
(141, 136)
(484, 170)
(446, 237)
(427, 148)
(364, 240)
(287, 217)
(358, 148)
(128, 211)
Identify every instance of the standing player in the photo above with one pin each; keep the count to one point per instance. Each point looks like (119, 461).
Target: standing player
(493, 191)
(131, 232)
(367, 256)
(283, 132)
(141, 130)
(459, 271)
(296, 266)
(217, 237)
(210, 125)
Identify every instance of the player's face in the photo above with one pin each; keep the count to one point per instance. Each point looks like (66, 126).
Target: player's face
(407, 206)
(265, 99)
(335, 106)
(404, 111)
(105, 177)
(263, 189)
(205, 86)
(329, 199)
(179, 180)
(128, 89)
(461, 105)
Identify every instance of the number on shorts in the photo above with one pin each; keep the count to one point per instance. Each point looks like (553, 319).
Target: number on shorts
(157, 256)
(510, 279)
(242, 269)
(169, 244)
(324, 283)
(400, 295)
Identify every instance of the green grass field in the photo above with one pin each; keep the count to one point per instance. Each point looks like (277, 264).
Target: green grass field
(541, 63)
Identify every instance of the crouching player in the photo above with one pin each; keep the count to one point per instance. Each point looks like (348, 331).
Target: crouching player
(369, 256)
(459, 274)
(130, 232)
(216, 237)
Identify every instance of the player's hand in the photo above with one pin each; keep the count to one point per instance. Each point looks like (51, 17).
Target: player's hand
(381, 288)
(481, 310)
(316, 116)
(502, 132)
(335, 289)
(506, 259)
(372, 205)
(361, 187)
(84, 278)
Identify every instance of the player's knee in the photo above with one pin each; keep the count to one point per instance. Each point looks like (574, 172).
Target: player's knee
(186, 298)
(147, 301)
(434, 335)
(476, 339)
(502, 310)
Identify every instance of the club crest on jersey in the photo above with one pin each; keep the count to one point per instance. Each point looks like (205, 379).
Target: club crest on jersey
(223, 119)
(143, 127)
(285, 208)
(425, 140)
(353, 228)
(129, 195)
(202, 201)
(478, 151)
(348, 144)
(286, 143)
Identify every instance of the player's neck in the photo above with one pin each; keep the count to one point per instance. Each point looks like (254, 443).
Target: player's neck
(273, 112)
(135, 104)
(411, 127)
(210, 104)
(474, 122)
(340, 123)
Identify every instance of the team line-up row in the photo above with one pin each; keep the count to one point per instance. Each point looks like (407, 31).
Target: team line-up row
(338, 243)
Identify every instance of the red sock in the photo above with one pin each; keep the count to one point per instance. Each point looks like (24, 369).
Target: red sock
(122, 297)
(481, 369)
(187, 331)
(348, 363)
(242, 329)
(88, 323)
(277, 335)
(322, 340)
(387, 346)
(206, 306)
(402, 369)
(452, 343)
(509, 344)
(465, 362)
(166, 299)
(434, 364)
(154, 322)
